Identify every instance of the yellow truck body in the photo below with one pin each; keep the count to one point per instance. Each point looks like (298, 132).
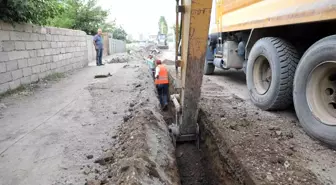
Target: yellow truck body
(236, 15)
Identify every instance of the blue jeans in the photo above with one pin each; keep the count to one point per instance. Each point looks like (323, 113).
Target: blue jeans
(99, 56)
(163, 93)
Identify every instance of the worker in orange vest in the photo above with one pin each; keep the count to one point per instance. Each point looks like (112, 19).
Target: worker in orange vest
(162, 83)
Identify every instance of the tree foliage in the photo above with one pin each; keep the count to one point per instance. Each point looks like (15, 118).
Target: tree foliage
(119, 33)
(83, 15)
(174, 27)
(29, 11)
(163, 27)
(80, 14)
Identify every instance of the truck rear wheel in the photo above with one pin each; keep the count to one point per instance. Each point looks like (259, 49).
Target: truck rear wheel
(314, 91)
(208, 68)
(270, 72)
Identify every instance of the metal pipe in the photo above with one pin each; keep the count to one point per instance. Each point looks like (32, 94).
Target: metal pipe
(176, 103)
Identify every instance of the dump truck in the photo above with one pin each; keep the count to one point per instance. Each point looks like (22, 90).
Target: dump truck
(162, 41)
(287, 49)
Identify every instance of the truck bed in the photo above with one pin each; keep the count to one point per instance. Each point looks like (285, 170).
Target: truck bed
(237, 15)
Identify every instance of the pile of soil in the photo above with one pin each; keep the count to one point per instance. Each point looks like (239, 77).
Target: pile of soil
(142, 151)
(119, 58)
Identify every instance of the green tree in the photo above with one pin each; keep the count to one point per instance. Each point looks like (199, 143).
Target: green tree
(174, 27)
(163, 27)
(83, 15)
(119, 33)
(29, 11)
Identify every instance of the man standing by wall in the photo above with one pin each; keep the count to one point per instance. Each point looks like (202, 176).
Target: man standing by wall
(99, 46)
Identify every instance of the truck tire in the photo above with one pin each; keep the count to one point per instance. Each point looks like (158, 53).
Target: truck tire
(270, 72)
(208, 68)
(314, 91)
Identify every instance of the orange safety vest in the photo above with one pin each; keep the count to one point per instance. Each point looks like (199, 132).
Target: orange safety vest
(163, 76)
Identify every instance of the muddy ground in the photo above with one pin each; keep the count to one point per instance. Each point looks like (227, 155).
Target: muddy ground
(86, 130)
(254, 146)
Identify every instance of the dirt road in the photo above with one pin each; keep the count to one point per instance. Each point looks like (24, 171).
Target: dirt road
(75, 130)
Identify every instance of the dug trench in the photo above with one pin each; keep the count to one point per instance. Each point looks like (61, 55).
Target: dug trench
(234, 149)
(141, 151)
(203, 164)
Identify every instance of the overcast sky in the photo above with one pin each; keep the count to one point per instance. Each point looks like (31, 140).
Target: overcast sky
(140, 16)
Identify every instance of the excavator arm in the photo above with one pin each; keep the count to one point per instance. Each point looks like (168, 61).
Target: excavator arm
(194, 16)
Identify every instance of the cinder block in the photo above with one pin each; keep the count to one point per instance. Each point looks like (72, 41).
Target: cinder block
(14, 55)
(14, 84)
(1, 46)
(14, 35)
(47, 59)
(48, 66)
(45, 44)
(36, 29)
(3, 67)
(53, 65)
(4, 35)
(43, 30)
(55, 38)
(42, 75)
(49, 37)
(32, 54)
(12, 65)
(8, 45)
(35, 61)
(36, 69)
(26, 80)
(17, 74)
(22, 63)
(19, 27)
(34, 78)
(30, 45)
(43, 67)
(40, 52)
(54, 51)
(19, 45)
(47, 52)
(34, 37)
(54, 44)
(6, 26)
(56, 58)
(28, 28)
(42, 37)
(4, 88)
(5, 77)
(4, 56)
(38, 45)
(27, 71)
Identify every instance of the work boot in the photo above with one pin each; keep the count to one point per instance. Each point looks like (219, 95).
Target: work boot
(165, 107)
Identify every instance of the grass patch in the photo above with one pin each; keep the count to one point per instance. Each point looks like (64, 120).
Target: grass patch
(14, 91)
(54, 77)
(30, 87)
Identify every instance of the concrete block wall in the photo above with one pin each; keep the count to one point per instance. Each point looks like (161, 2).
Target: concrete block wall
(29, 52)
(117, 46)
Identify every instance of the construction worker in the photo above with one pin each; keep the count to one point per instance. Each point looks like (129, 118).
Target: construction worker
(151, 64)
(162, 83)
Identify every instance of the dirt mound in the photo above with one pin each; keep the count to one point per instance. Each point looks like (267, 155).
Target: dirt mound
(141, 151)
(119, 58)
